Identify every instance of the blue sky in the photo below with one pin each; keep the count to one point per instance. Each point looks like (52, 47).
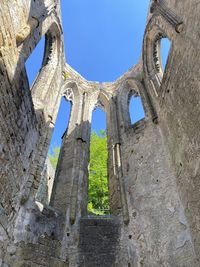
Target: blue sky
(103, 39)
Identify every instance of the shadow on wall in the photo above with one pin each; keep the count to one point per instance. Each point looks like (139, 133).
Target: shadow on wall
(98, 236)
(18, 110)
(71, 178)
(69, 200)
(29, 37)
(70, 186)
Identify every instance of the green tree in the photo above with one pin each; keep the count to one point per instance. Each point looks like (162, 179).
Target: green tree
(54, 157)
(98, 181)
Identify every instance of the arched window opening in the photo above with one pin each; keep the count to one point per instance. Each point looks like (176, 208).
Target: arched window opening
(136, 109)
(48, 174)
(165, 45)
(98, 200)
(34, 62)
(60, 128)
(160, 53)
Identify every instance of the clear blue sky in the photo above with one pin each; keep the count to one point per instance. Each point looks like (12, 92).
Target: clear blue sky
(103, 39)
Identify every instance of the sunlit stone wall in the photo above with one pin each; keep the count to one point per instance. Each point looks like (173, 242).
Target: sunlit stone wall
(153, 165)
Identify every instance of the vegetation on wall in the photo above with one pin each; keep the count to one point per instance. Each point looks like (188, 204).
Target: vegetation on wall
(65, 75)
(98, 202)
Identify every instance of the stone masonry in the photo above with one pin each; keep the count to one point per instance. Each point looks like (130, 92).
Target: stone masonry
(153, 165)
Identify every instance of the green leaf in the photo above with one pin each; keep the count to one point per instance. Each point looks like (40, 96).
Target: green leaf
(98, 180)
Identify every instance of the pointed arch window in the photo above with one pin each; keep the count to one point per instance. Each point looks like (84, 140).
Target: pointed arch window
(165, 45)
(34, 62)
(98, 200)
(157, 51)
(48, 174)
(61, 125)
(136, 110)
(161, 51)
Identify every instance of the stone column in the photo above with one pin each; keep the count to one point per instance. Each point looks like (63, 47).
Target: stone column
(70, 187)
(118, 201)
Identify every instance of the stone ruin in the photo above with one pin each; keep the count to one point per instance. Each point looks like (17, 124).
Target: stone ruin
(153, 165)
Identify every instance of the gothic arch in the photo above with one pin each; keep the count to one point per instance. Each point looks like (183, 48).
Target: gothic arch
(99, 99)
(50, 93)
(156, 29)
(70, 91)
(163, 23)
(52, 59)
(103, 100)
(127, 89)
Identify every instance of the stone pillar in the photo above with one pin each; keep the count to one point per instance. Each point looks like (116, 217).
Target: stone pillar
(70, 187)
(118, 201)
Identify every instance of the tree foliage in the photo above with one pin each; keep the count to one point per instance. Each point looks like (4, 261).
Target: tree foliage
(54, 157)
(98, 181)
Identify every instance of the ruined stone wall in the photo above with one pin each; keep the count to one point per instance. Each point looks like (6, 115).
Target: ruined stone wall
(153, 165)
(26, 120)
(158, 233)
(177, 103)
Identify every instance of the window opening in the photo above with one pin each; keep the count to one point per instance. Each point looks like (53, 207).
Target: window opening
(136, 109)
(165, 45)
(98, 200)
(60, 128)
(48, 174)
(34, 62)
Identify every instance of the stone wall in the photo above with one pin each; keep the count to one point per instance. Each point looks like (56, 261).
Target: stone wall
(99, 241)
(178, 105)
(26, 121)
(153, 165)
(158, 227)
